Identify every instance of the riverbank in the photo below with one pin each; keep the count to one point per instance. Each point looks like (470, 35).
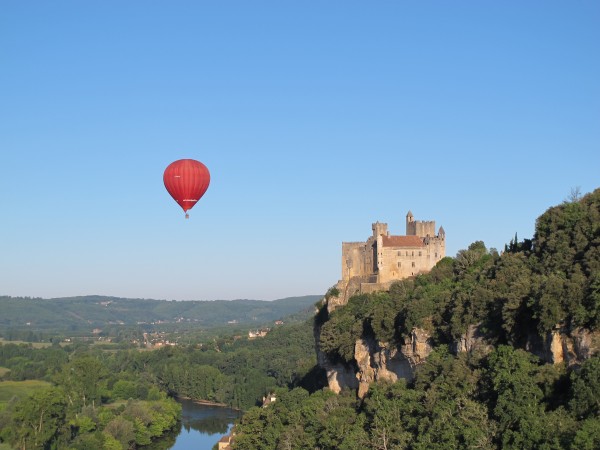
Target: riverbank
(207, 402)
(202, 425)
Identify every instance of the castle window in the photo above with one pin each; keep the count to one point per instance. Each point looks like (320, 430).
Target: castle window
(398, 253)
(399, 264)
(413, 253)
(419, 253)
(436, 254)
(413, 264)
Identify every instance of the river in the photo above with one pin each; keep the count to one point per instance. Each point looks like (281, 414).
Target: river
(201, 427)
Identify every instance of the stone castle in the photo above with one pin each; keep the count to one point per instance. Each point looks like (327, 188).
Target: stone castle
(383, 259)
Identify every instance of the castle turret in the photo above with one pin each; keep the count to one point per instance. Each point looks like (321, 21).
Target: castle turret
(379, 229)
(410, 224)
(441, 233)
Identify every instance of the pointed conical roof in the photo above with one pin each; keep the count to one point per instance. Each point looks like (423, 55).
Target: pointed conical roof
(409, 214)
(441, 232)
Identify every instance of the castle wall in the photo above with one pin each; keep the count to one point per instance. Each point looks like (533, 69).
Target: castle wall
(438, 248)
(422, 228)
(357, 259)
(352, 259)
(425, 228)
(396, 263)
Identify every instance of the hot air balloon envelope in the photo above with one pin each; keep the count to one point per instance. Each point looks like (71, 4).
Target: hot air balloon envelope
(186, 180)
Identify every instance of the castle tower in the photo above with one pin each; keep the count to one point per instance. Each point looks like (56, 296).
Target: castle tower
(411, 228)
(421, 228)
(379, 229)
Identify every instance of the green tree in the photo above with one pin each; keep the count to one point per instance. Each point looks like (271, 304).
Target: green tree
(122, 431)
(38, 420)
(517, 406)
(585, 388)
(393, 414)
(588, 436)
(124, 389)
(83, 380)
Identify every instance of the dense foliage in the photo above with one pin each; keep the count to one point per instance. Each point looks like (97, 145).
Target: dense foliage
(86, 405)
(505, 398)
(97, 396)
(236, 372)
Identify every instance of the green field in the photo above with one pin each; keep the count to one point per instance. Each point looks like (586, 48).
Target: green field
(20, 389)
(33, 344)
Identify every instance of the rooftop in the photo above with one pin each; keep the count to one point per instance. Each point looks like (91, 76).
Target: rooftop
(402, 241)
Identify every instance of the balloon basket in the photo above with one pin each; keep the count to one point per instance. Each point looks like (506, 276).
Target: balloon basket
(187, 216)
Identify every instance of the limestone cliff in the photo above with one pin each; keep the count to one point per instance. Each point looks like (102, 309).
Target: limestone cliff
(339, 376)
(382, 361)
(562, 345)
(375, 361)
(472, 340)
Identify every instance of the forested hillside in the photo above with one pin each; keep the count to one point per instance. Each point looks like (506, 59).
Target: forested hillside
(535, 286)
(498, 395)
(85, 313)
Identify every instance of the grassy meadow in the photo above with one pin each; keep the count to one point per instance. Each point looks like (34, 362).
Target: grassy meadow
(20, 389)
(33, 344)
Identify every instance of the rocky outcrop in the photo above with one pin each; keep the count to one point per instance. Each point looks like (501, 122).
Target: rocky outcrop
(377, 361)
(339, 376)
(561, 345)
(417, 346)
(381, 361)
(354, 286)
(472, 340)
(345, 290)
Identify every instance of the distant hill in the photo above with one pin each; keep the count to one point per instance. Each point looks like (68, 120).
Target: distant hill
(74, 313)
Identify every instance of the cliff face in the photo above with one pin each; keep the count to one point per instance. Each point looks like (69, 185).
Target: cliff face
(472, 340)
(376, 361)
(570, 347)
(380, 361)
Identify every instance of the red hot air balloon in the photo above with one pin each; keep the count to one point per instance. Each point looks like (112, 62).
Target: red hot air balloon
(186, 180)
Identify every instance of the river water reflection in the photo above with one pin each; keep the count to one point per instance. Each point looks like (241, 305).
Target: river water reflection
(201, 427)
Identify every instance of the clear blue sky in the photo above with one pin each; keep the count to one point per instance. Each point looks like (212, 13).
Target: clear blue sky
(315, 119)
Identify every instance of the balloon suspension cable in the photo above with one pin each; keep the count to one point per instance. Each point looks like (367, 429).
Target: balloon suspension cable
(187, 216)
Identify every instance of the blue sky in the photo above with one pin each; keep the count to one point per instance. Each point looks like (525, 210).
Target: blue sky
(315, 119)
